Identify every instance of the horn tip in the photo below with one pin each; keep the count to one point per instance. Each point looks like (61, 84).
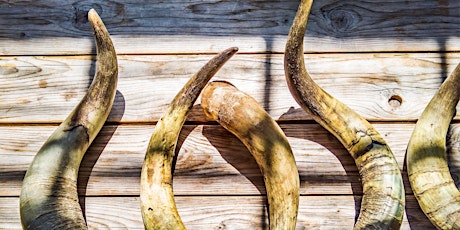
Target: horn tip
(92, 14)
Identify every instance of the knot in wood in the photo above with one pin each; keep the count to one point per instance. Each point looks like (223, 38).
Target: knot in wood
(342, 18)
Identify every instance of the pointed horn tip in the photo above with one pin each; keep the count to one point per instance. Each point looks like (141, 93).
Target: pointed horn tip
(233, 49)
(92, 15)
(230, 51)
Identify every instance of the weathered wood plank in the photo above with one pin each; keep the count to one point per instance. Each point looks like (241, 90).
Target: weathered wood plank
(385, 86)
(47, 28)
(383, 59)
(221, 212)
(211, 161)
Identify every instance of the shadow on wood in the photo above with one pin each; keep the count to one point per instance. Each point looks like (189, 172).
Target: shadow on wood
(96, 149)
(241, 160)
(339, 152)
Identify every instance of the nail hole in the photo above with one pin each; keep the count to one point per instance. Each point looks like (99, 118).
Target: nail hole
(395, 101)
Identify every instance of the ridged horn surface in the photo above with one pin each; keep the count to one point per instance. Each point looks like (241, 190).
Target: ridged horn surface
(49, 198)
(426, 158)
(158, 207)
(240, 114)
(383, 201)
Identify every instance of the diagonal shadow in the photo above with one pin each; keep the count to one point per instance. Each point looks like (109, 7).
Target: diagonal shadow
(100, 142)
(346, 20)
(317, 134)
(453, 152)
(97, 147)
(184, 133)
(415, 215)
(236, 154)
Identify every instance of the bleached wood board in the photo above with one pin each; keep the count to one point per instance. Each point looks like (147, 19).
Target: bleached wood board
(211, 161)
(44, 89)
(221, 212)
(200, 26)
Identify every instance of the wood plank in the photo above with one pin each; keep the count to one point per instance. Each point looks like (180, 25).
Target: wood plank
(211, 161)
(220, 212)
(381, 87)
(46, 28)
(383, 60)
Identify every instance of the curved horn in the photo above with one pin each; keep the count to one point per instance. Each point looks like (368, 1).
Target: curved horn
(157, 199)
(240, 114)
(383, 200)
(426, 161)
(49, 198)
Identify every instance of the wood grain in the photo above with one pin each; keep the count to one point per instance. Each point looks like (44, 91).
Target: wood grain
(211, 161)
(384, 59)
(380, 87)
(219, 212)
(46, 28)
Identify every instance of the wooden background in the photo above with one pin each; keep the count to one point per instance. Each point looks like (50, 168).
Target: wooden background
(385, 59)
